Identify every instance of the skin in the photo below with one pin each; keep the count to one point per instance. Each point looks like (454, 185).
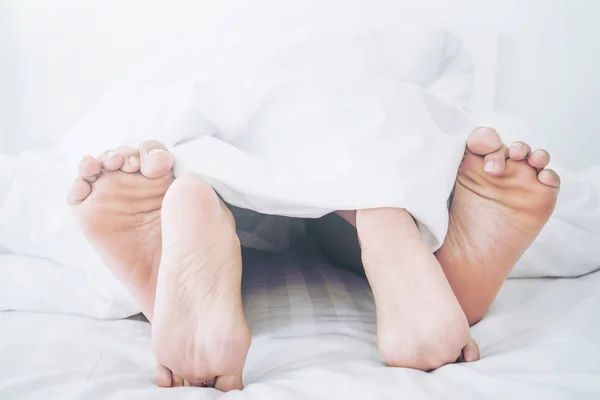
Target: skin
(186, 276)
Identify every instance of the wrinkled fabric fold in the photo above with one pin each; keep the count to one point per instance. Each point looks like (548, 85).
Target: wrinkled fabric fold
(302, 125)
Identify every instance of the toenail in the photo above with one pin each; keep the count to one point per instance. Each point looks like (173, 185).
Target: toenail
(519, 145)
(133, 161)
(155, 151)
(542, 153)
(110, 154)
(489, 166)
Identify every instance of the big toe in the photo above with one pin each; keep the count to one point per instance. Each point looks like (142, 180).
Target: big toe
(156, 161)
(484, 141)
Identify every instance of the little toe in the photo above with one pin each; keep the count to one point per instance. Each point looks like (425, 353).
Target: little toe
(89, 168)
(164, 377)
(111, 160)
(229, 383)
(519, 151)
(495, 163)
(471, 352)
(80, 191)
(539, 159)
(483, 141)
(549, 178)
(156, 161)
(131, 159)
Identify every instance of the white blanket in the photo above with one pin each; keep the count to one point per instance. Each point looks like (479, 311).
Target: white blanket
(303, 112)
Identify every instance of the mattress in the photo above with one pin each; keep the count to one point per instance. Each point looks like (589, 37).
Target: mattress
(314, 337)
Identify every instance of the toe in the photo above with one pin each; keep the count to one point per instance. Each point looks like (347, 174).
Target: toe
(519, 151)
(89, 168)
(228, 383)
(549, 178)
(177, 381)
(131, 159)
(111, 160)
(79, 192)
(204, 383)
(471, 352)
(164, 378)
(483, 141)
(539, 159)
(156, 161)
(495, 163)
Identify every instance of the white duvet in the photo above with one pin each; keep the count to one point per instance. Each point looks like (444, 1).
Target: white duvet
(304, 111)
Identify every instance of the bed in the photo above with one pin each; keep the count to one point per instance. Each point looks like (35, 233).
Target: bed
(313, 325)
(313, 329)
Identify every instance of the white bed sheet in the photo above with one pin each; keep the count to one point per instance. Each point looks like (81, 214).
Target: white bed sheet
(312, 339)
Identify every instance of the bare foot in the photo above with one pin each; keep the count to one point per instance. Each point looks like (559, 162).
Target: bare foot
(420, 324)
(199, 331)
(117, 200)
(118, 207)
(503, 198)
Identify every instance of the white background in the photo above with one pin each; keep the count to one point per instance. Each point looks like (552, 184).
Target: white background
(57, 56)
